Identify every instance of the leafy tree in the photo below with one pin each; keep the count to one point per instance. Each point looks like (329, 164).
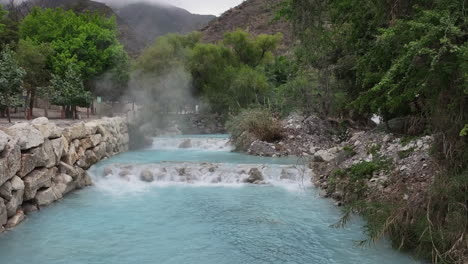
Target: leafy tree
(34, 59)
(11, 79)
(68, 91)
(88, 41)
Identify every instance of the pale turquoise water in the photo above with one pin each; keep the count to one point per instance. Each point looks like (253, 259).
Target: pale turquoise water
(190, 224)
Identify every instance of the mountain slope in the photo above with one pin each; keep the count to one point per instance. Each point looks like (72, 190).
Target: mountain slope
(153, 20)
(254, 16)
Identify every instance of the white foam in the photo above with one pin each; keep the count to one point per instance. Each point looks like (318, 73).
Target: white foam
(125, 178)
(194, 143)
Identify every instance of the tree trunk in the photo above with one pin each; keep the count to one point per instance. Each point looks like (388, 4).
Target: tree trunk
(8, 111)
(46, 108)
(31, 103)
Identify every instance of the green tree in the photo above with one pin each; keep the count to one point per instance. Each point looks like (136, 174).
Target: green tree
(34, 59)
(69, 92)
(11, 79)
(87, 41)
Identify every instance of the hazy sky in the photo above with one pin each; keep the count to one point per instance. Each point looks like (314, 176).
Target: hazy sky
(212, 7)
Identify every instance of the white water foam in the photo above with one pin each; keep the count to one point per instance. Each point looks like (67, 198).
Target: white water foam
(124, 178)
(193, 143)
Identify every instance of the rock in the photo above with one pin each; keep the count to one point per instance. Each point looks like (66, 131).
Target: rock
(108, 171)
(47, 196)
(28, 164)
(324, 155)
(3, 213)
(124, 173)
(28, 136)
(37, 179)
(17, 196)
(147, 176)
(63, 183)
(287, 175)
(88, 160)
(49, 130)
(15, 220)
(5, 191)
(44, 155)
(10, 161)
(59, 146)
(186, 144)
(71, 157)
(254, 176)
(77, 131)
(29, 208)
(95, 139)
(4, 138)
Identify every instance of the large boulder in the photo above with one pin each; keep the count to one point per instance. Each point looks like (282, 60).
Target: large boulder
(87, 160)
(255, 176)
(64, 183)
(5, 191)
(60, 147)
(71, 156)
(325, 155)
(76, 131)
(3, 213)
(48, 196)
(45, 156)
(15, 220)
(49, 130)
(147, 176)
(4, 139)
(28, 136)
(28, 164)
(10, 161)
(36, 180)
(17, 196)
(186, 144)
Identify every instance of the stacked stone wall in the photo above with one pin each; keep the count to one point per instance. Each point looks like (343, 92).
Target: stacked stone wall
(41, 162)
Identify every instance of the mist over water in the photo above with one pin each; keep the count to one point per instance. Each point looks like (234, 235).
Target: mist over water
(169, 221)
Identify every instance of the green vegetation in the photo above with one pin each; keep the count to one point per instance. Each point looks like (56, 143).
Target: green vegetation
(349, 150)
(62, 54)
(256, 124)
(374, 149)
(405, 153)
(11, 78)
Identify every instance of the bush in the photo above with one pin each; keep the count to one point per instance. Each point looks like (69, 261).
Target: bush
(254, 124)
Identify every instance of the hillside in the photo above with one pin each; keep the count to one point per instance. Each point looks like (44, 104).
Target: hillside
(138, 24)
(153, 20)
(254, 16)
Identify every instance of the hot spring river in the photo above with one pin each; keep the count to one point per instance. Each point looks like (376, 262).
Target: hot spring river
(196, 211)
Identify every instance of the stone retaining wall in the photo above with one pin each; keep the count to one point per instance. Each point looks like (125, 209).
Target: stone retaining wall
(41, 162)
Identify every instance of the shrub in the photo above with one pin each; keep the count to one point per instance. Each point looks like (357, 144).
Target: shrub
(252, 124)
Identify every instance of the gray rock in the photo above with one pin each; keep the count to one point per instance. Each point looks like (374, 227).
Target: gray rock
(186, 144)
(147, 176)
(10, 161)
(15, 202)
(48, 196)
(45, 156)
(255, 175)
(5, 191)
(15, 220)
(324, 155)
(4, 138)
(28, 164)
(29, 208)
(108, 171)
(59, 146)
(77, 131)
(3, 213)
(37, 179)
(49, 130)
(27, 135)
(87, 160)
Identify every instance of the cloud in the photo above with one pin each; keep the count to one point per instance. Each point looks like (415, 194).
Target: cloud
(213, 7)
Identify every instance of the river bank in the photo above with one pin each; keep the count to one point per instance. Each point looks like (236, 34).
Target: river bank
(41, 161)
(394, 181)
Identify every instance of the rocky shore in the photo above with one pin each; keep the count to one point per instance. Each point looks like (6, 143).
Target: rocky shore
(368, 163)
(41, 162)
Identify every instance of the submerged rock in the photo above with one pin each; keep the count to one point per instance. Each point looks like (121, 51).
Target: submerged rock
(186, 144)
(254, 176)
(107, 171)
(147, 176)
